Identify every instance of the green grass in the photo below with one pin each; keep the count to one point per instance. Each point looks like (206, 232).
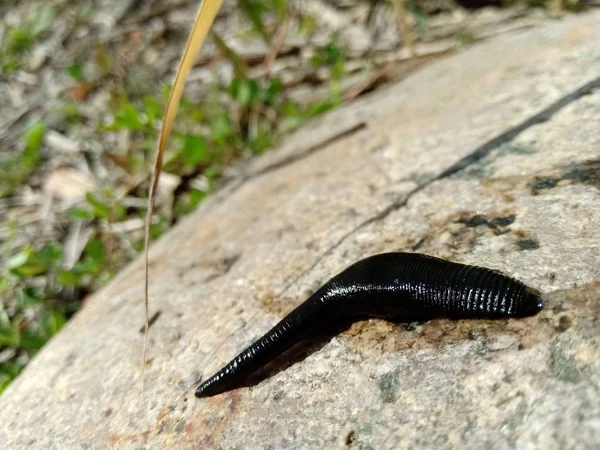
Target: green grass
(19, 40)
(15, 169)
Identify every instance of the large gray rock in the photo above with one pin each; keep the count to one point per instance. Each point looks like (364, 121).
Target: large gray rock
(489, 157)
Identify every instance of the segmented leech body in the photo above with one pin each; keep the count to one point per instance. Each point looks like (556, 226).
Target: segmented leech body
(402, 287)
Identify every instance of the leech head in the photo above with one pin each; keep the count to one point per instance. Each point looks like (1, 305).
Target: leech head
(210, 387)
(202, 392)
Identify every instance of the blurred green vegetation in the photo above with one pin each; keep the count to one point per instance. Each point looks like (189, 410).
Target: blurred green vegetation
(248, 116)
(19, 40)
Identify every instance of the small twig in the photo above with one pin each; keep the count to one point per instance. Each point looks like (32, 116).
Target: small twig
(278, 42)
(8, 123)
(405, 31)
(151, 321)
(158, 11)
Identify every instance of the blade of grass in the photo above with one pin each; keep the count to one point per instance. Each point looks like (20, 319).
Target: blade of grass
(204, 20)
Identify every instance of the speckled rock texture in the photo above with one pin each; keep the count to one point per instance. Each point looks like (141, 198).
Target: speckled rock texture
(489, 157)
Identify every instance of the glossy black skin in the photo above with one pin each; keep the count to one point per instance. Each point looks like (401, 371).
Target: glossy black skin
(401, 287)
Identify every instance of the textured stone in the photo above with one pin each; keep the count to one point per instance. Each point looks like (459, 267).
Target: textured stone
(488, 157)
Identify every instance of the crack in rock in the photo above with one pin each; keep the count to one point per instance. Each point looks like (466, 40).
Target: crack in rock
(480, 152)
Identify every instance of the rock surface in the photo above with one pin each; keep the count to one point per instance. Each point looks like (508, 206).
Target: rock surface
(489, 157)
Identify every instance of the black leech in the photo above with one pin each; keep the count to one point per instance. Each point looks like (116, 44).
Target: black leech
(400, 286)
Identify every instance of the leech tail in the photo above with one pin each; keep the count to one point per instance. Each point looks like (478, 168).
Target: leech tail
(291, 330)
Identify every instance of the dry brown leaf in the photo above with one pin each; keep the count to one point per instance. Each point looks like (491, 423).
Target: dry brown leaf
(70, 185)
